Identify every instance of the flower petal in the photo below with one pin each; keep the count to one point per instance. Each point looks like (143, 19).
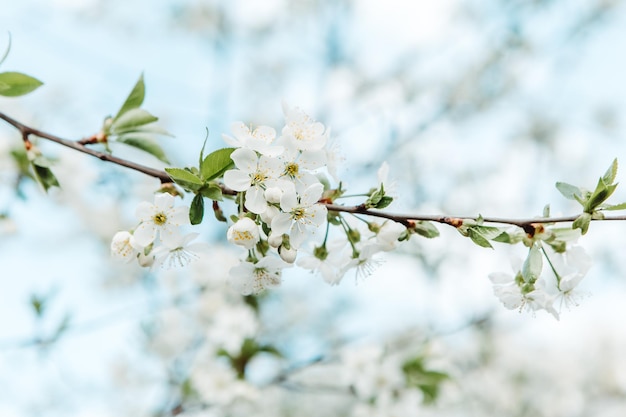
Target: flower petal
(237, 180)
(145, 233)
(245, 159)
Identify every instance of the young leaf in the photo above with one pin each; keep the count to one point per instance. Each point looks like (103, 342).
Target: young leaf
(489, 232)
(212, 191)
(131, 120)
(478, 239)
(532, 265)
(134, 99)
(611, 173)
(203, 146)
(384, 202)
(148, 129)
(621, 206)
(145, 144)
(184, 178)
(13, 84)
(569, 191)
(426, 229)
(45, 177)
(582, 223)
(216, 163)
(506, 237)
(196, 210)
(599, 195)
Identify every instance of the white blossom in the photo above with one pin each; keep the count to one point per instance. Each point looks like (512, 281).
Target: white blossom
(299, 212)
(161, 217)
(303, 132)
(252, 175)
(178, 252)
(387, 236)
(244, 233)
(260, 139)
(230, 326)
(124, 247)
(328, 261)
(252, 278)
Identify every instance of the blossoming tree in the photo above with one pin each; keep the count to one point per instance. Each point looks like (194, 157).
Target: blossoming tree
(279, 201)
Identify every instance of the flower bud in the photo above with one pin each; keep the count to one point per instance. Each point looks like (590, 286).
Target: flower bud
(273, 195)
(269, 214)
(287, 255)
(123, 246)
(244, 233)
(275, 240)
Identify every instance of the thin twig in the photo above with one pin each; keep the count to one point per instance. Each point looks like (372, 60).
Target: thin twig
(78, 146)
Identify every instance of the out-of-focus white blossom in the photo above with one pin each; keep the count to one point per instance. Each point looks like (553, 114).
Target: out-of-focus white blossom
(301, 131)
(260, 139)
(387, 236)
(252, 278)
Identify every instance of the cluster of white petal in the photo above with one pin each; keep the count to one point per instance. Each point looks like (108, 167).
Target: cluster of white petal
(280, 181)
(157, 240)
(529, 289)
(282, 185)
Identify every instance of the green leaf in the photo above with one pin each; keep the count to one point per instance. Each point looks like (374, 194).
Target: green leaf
(374, 199)
(196, 211)
(506, 237)
(212, 191)
(428, 381)
(582, 223)
(44, 176)
(13, 84)
(426, 229)
(532, 265)
(216, 163)
(384, 202)
(202, 149)
(145, 144)
(546, 210)
(132, 119)
(39, 304)
(149, 129)
(599, 195)
(570, 191)
(489, 232)
(611, 173)
(134, 99)
(621, 206)
(478, 239)
(184, 178)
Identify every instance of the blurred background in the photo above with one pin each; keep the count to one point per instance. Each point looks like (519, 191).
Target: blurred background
(479, 107)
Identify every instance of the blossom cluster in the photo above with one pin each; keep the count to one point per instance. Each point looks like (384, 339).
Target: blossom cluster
(282, 186)
(157, 239)
(530, 289)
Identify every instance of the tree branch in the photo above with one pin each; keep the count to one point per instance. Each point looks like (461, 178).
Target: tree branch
(406, 219)
(80, 147)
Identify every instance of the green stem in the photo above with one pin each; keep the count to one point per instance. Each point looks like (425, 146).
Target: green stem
(556, 274)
